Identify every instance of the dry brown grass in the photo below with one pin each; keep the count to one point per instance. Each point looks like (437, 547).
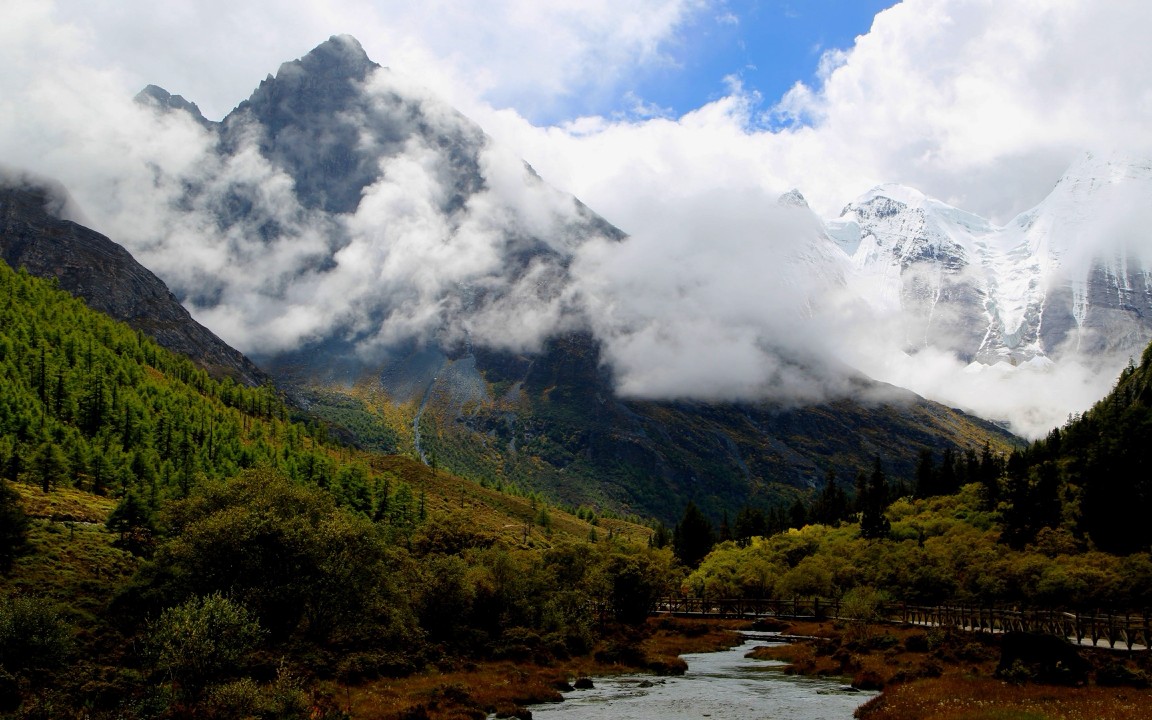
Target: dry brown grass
(505, 687)
(955, 697)
(504, 514)
(951, 679)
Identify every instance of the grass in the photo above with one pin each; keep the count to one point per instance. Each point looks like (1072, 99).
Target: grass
(503, 513)
(937, 675)
(981, 698)
(504, 687)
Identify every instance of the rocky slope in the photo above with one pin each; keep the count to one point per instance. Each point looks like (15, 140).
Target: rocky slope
(88, 265)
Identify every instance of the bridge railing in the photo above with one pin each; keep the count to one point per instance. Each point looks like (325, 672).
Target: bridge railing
(1130, 631)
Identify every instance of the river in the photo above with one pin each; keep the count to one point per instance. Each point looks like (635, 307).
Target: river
(723, 685)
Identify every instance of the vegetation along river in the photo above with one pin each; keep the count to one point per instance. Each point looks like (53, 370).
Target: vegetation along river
(723, 685)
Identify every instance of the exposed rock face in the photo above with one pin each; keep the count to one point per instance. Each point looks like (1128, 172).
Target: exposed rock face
(92, 267)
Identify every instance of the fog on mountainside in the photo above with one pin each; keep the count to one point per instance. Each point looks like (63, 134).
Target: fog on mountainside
(343, 207)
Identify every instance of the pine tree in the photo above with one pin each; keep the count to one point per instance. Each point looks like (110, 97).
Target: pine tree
(926, 475)
(797, 514)
(750, 523)
(693, 536)
(873, 502)
(13, 526)
(831, 504)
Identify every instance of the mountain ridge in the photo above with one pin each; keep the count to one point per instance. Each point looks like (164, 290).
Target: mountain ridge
(89, 265)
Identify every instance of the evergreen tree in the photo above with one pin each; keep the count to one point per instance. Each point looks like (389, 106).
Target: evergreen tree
(132, 520)
(797, 514)
(13, 526)
(725, 532)
(872, 501)
(750, 523)
(661, 537)
(693, 537)
(49, 467)
(831, 504)
(949, 481)
(988, 475)
(926, 475)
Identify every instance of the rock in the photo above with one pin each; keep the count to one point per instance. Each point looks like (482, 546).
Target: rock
(583, 683)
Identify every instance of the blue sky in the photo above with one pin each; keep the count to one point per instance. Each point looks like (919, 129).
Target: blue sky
(768, 45)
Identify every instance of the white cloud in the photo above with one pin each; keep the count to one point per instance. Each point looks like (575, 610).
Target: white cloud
(535, 56)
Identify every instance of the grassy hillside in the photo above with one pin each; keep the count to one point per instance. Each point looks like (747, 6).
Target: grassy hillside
(552, 424)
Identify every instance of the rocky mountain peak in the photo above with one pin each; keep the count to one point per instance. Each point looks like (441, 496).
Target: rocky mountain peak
(793, 199)
(325, 79)
(157, 97)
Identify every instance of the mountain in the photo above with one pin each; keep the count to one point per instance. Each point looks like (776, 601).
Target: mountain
(385, 260)
(35, 236)
(1068, 279)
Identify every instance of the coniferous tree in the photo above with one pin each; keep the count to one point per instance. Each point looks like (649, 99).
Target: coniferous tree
(988, 475)
(831, 504)
(1016, 514)
(661, 537)
(797, 514)
(693, 537)
(724, 534)
(13, 526)
(926, 475)
(49, 467)
(949, 483)
(133, 521)
(873, 502)
(750, 523)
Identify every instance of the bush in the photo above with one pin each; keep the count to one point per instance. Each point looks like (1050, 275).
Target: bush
(861, 607)
(202, 640)
(1117, 674)
(32, 635)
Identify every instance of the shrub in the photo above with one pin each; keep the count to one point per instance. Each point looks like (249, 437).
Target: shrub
(32, 635)
(202, 639)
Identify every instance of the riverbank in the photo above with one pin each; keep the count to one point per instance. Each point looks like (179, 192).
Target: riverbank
(473, 690)
(938, 674)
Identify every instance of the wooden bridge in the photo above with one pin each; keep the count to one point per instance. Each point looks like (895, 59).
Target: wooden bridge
(1126, 631)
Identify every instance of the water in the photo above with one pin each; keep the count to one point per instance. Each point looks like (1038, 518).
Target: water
(723, 685)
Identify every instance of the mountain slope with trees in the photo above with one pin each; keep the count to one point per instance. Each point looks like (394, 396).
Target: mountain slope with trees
(35, 236)
(176, 546)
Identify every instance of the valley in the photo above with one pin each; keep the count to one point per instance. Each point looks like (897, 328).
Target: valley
(352, 414)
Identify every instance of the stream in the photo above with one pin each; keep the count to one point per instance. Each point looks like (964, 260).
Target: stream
(723, 685)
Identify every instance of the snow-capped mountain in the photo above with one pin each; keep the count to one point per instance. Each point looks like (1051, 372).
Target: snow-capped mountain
(1068, 278)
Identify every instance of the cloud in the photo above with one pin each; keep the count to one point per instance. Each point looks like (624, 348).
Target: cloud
(536, 56)
(719, 296)
(979, 103)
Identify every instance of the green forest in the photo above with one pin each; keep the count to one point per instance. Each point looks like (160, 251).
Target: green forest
(175, 546)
